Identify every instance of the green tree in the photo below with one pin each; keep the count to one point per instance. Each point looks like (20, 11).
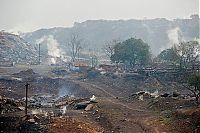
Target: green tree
(194, 81)
(131, 52)
(169, 55)
(188, 54)
(185, 54)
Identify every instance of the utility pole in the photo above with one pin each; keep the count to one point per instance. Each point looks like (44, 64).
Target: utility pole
(39, 54)
(26, 97)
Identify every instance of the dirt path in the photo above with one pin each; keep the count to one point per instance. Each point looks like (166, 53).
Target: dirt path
(112, 98)
(124, 116)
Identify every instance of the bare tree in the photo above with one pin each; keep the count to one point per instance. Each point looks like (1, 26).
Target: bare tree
(109, 47)
(75, 44)
(188, 52)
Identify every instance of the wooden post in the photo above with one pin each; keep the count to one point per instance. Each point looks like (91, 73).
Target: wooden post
(39, 54)
(26, 98)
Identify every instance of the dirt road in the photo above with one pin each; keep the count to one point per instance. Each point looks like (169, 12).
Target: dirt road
(122, 115)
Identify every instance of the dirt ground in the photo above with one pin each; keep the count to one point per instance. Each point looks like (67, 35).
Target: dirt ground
(115, 109)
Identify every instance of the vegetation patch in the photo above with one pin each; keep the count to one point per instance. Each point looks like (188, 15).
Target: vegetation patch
(166, 120)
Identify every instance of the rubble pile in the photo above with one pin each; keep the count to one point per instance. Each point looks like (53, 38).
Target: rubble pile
(14, 49)
(41, 100)
(76, 103)
(26, 75)
(8, 105)
(13, 117)
(28, 72)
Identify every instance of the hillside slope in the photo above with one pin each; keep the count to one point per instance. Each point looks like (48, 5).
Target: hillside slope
(159, 33)
(15, 49)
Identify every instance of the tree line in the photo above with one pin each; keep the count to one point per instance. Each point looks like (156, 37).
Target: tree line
(135, 52)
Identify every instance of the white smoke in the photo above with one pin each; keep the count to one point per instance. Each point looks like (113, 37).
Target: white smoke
(53, 60)
(198, 48)
(53, 47)
(175, 37)
(64, 91)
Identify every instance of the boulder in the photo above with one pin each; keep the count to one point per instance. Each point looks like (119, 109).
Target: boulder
(175, 94)
(89, 107)
(164, 95)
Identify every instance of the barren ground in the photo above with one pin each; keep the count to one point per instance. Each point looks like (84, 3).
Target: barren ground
(115, 110)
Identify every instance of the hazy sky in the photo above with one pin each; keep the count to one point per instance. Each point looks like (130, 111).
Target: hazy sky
(28, 15)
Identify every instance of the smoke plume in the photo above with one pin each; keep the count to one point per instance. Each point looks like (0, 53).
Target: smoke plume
(175, 37)
(53, 47)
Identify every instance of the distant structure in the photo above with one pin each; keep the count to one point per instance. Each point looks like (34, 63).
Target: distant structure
(39, 53)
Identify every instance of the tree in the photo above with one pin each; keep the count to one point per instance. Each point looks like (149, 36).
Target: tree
(131, 52)
(194, 81)
(75, 45)
(169, 55)
(185, 54)
(109, 47)
(188, 54)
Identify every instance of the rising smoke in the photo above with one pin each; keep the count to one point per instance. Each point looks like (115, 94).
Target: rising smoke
(175, 37)
(54, 51)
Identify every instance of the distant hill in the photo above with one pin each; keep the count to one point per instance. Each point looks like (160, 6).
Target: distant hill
(159, 33)
(15, 49)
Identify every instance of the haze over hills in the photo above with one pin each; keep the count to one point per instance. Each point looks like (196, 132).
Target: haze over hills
(159, 33)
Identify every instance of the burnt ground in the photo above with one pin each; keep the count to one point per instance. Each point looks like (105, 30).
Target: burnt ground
(116, 108)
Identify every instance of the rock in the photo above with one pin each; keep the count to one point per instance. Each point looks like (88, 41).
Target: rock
(147, 96)
(140, 93)
(164, 95)
(21, 108)
(93, 98)
(36, 118)
(141, 98)
(89, 107)
(31, 120)
(175, 94)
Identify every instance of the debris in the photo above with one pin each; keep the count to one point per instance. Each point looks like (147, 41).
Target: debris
(164, 95)
(89, 107)
(141, 97)
(8, 105)
(140, 92)
(36, 117)
(155, 94)
(82, 105)
(31, 120)
(93, 98)
(175, 94)
(64, 110)
(21, 108)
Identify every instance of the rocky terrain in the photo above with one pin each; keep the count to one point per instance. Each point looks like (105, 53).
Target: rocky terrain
(14, 49)
(102, 104)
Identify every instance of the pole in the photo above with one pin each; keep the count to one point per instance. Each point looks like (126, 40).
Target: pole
(92, 62)
(39, 53)
(26, 98)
